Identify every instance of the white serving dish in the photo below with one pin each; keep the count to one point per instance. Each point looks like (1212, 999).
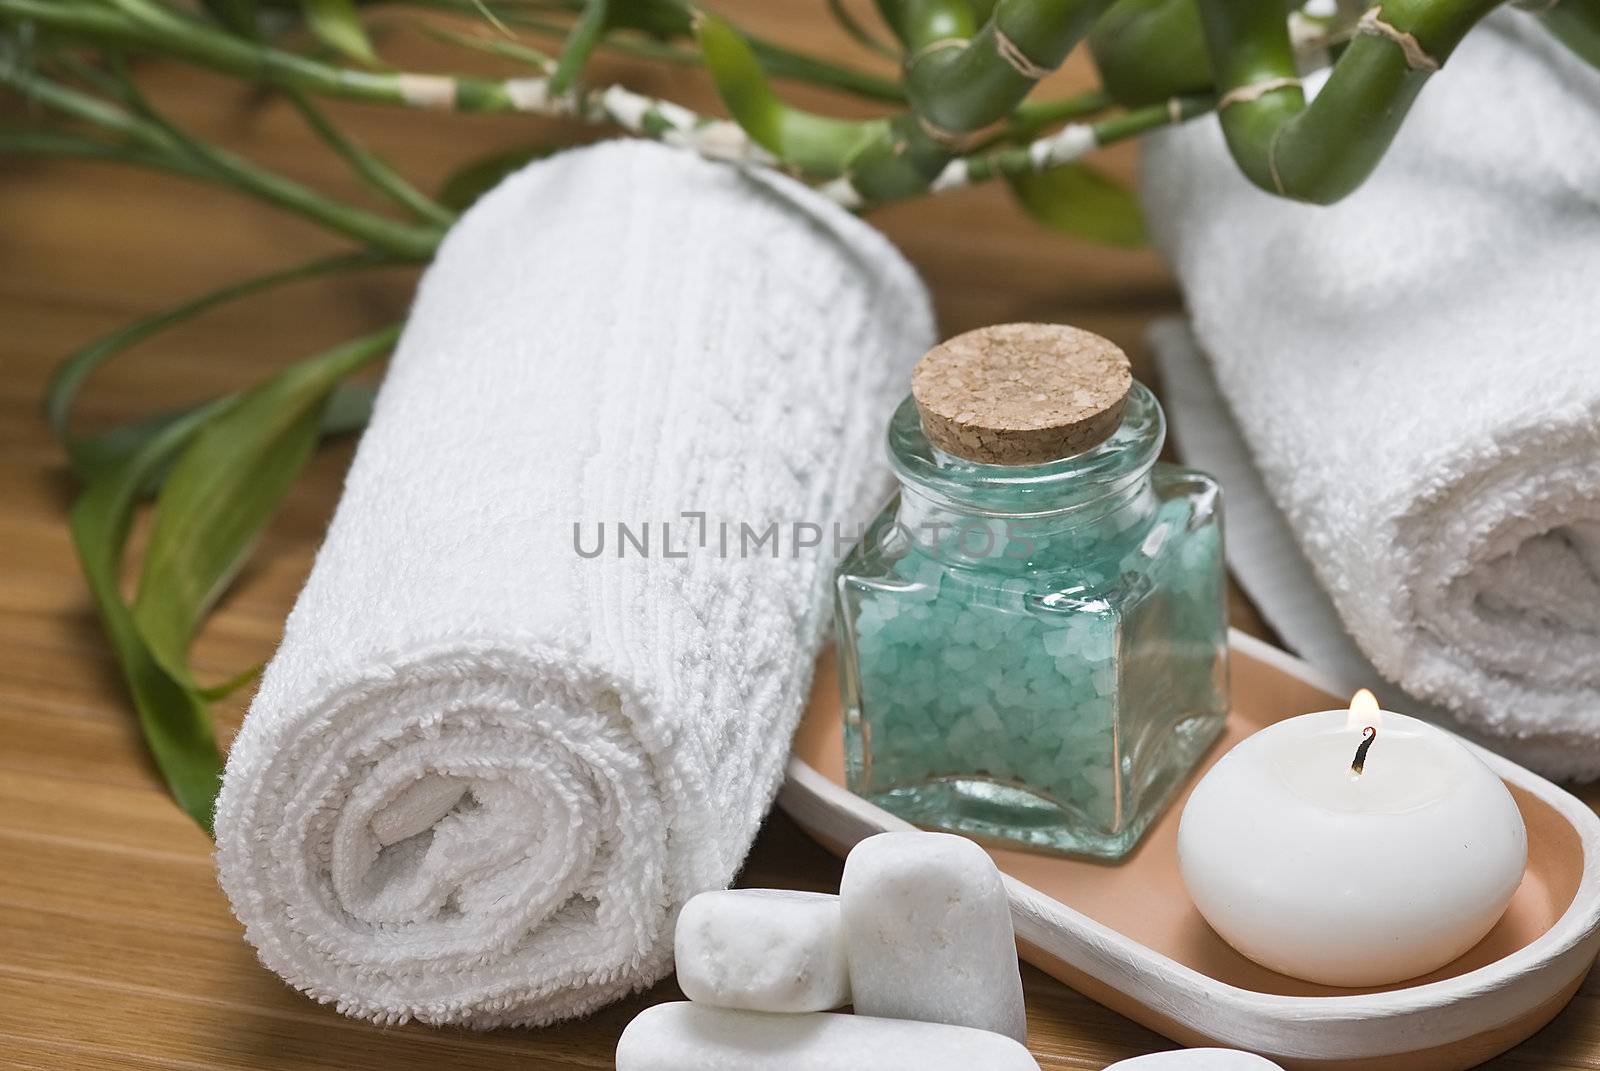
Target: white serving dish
(1127, 935)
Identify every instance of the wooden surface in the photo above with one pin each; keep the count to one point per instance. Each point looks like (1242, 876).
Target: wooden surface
(116, 948)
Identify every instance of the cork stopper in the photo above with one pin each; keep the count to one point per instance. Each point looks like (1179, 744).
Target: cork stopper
(1021, 394)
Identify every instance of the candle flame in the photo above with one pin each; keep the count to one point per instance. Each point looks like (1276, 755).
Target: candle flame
(1364, 711)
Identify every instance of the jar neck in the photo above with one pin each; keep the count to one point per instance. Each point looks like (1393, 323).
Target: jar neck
(1103, 492)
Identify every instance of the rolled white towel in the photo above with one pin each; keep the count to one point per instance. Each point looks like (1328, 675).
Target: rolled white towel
(1417, 373)
(484, 771)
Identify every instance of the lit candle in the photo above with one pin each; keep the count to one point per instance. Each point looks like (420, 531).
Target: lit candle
(1351, 848)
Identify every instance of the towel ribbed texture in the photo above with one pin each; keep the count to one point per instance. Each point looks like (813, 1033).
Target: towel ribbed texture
(1417, 373)
(483, 771)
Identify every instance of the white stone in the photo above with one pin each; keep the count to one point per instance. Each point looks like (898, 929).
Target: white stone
(1197, 1060)
(686, 1036)
(763, 950)
(928, 927)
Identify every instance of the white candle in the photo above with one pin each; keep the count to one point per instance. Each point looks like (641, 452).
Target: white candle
(1345, 876)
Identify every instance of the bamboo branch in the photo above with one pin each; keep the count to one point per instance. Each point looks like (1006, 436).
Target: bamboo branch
(1031, 117)
(159, 144)
(783, 62)
(633, 112)
(1067, 145)
(27, 141)
(150, 26)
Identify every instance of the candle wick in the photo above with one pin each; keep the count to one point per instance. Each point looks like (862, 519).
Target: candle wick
(1368, 735)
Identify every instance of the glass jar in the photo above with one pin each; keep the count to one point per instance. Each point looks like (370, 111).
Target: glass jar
(1035, 654)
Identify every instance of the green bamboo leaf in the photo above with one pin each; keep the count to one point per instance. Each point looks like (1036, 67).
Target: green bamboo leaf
(1082, 201)
(89, 456)
(818, 145)
(337, 25)
(93, 455)
(222, 689)
(579, 46)
(347, 411)
(174, 713)
(369, 166)
(478, 177)
(173, 717)
(225, 487)
(494, 46)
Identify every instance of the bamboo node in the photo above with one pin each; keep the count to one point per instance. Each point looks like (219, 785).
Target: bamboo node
(1272, 160)
(1417, 57)
(533, 95)
(934, 46)
(954, 176)
(680, 117)
(720, 139)
(427, 91)
(1246, 93)
(1016, 59)
(948, 139)
(1064, 146)
(842, 191)
(623, 106)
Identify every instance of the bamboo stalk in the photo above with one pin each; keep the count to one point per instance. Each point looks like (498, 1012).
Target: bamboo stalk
(1321, 152)
(1149, 50)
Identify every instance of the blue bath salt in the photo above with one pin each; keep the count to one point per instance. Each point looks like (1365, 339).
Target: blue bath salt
(1035, 655)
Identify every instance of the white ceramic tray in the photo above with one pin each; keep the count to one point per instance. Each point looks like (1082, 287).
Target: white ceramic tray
(1127, 935)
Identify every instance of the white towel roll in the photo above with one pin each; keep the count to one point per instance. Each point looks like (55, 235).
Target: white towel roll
(484, 771)
(1417, 373)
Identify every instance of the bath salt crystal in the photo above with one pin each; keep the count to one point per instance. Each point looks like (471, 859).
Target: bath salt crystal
(1197, 1060)
(763, 950)
(686, 1036)
(928, 926)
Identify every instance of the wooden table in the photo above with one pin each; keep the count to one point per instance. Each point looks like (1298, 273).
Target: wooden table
(116, 948)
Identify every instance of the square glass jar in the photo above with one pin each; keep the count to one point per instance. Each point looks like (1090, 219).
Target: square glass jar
(1035, 655)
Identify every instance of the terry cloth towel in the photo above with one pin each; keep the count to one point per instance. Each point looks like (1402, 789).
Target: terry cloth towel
(484, 770)
(1416, 371)
(1263, 554)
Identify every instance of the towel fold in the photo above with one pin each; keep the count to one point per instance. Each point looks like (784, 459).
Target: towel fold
(486, 766)
(1417, 373)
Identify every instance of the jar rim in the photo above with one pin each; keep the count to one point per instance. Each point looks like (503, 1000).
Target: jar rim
(1049, 487)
